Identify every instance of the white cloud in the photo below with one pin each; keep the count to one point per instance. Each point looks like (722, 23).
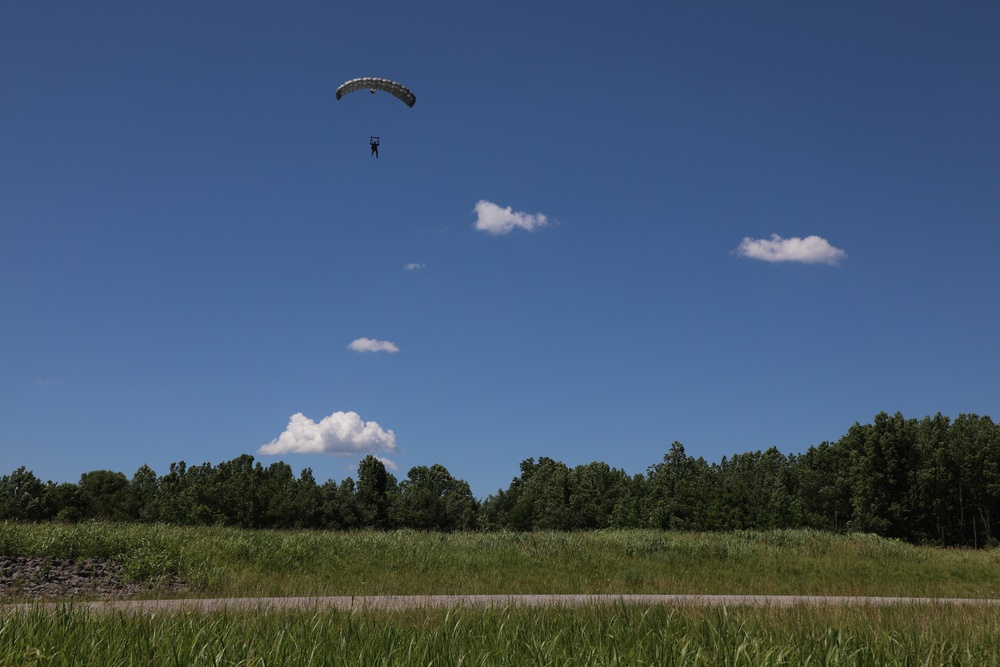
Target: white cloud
(372, 345)
(412, 266)
(810, 250)
(340, 434)
(496, 220)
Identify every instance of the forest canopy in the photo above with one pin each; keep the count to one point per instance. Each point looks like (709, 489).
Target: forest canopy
(929, 481)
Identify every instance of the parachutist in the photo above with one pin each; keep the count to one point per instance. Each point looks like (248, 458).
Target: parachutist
(375, 84)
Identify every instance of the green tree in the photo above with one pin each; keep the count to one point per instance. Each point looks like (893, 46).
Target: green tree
(756, 487)
(339, 505)
(237, 499)
(141, 500)
(630, 507)
(825, 487)
(494, 512)
(308, 501)
(595, 490)
(278, 489)
(22, 497)
(883, 460)
(63, 502)
(679, 491)
(431, 499)
(173, 496)
(936, 476)
(104, 495)
(201, 494)
(976, 443)
(376, 490)
(544, 495)
(538, 499)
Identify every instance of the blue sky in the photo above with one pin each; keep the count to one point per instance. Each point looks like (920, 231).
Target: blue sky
(731, 224)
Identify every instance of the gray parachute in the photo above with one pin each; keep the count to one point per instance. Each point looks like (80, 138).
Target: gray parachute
(372, 83)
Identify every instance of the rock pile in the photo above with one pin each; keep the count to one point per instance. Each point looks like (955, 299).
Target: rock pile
(25, 578)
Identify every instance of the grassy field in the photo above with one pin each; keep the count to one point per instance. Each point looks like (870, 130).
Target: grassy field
(226, 562)
(558, 636)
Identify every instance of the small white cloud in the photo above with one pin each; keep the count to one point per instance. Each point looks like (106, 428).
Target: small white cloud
(340, 434)
(496, 220)
(372, 345)
(412, 266)
(810, 250)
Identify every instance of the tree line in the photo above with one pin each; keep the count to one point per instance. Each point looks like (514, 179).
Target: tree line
(931, 481)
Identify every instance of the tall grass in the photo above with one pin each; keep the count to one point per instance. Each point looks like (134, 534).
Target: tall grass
(514, 636)
(233, 562)
(229, 562)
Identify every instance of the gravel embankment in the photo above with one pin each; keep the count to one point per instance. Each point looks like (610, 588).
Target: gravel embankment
(24, 578)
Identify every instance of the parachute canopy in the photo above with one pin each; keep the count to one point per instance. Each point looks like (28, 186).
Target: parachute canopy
(372, 83)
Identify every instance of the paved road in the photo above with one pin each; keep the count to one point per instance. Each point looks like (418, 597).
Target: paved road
(398, 602)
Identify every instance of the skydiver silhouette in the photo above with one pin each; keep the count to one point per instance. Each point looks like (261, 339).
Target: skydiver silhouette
(374, 144)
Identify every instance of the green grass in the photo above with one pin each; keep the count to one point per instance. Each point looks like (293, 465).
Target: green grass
(231, 562)
(557, 636)
(227, 562)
